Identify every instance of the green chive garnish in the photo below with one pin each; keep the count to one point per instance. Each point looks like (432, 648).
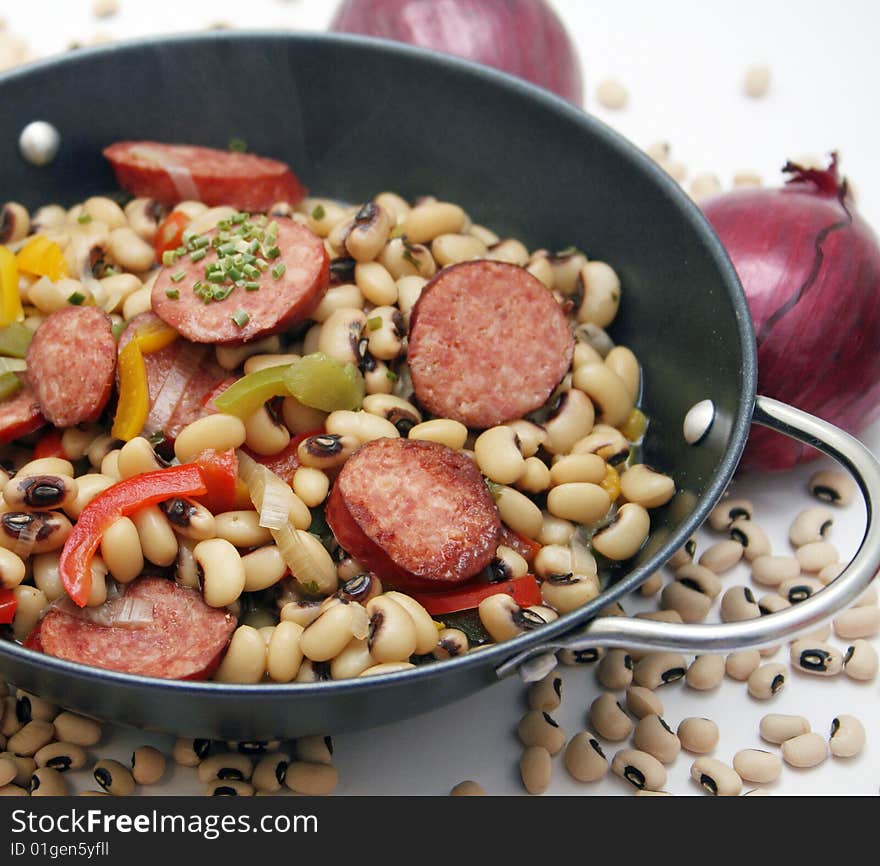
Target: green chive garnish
(251, 287)
(240, 317)
(375, 323)
(76, 298)
(169, 257)
(84, 218)
(278, 270)
(198, 255)
(239, 145)
(176, 278)
(318, 212)
(392, 376)
(174, 294)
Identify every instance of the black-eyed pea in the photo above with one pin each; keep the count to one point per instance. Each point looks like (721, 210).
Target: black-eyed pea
(805, 750)
(570, 419)
(716, 778)
(821, 634)
(498, 455)
(427, 221)
(51, 465)
(76, 729)
(607, 391)
(230, 766)
(157, 539)
(799, 589)
(311, 779)
(658, 669)
(536, 476)
(61, 757)
(31, 737)
(245, 658)
(241, 529)
(538, 728)
(190, 752)
(642, 702)
(723, 515)
(504, 619)
(409, 288)
(722, 556)
(584, 353)
(641, 769)
(587, 656)
(354, 659)
(646, 487)
(757, 765)
(586, 503)
(626, 365)
(29, 532)
(654, 736)
(228, 788)
(608, 442)
(684, 555)
(847, 737)
(766, 681)
(130, 250)
(536, 769)
(615, 670)
(521, 514)
(218, 431)
(739, 604)
(88, 487)
(46, 782)
(813, 557)
(393, 636)
(452, 642)
(811, 525)
(302, 612)
(608, 718)
(772, 603)
(861, 662)
(8, 771)
(857, 622)
(15, 222)
(189, 519)
(402, 257)
(270, 772)
(369, 231)
(358, 585)
(300, 418)
(385, 668)
(284, 653)
(12, 569)
(40, 491)
(546, 694)
(772, 570)
(689, 601)
(705, 672)
(753, 539)
(451, 248)
(584, 758)
(222, 569)
(24, 767)
(263, 567)
(577, 468)
(147, 765)
(30, 604)
(426, 629)
(137, 456)
(29, 707)
(776, 728)
(813, 657)
(555, 530)
(836, 488)
(340, 334)
(600, 287)
(263, 434)
(832, 571)
(508, 250)
(567, 592)
(567, 266)
(114, 777)
(329, 634)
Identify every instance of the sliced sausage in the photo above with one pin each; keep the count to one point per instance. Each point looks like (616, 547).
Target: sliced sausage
(487, 343)
(72, 364)
(184, 640)
(171, 173)
(417, 513)
(303, 275)
(20, 414)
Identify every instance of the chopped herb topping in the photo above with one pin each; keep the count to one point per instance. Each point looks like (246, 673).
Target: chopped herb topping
(239, 145)
(174, 294)
(84, 218)
(278, 270)
(76, 298)
(375, 323)
(157, 438)
(409, 252)
(392, 376)
(169, 257)
(568, 251)
(198, 255)
(318, 212)
(240, 317)
(176, 278)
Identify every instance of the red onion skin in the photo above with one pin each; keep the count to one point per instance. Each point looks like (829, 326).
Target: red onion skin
(810, 267)
(522, 37)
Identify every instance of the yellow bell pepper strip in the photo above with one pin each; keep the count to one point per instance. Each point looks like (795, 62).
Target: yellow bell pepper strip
(15, 339)
(133, 408)
(41, 257)
(120, 500)
(10, 299)
(134, 395)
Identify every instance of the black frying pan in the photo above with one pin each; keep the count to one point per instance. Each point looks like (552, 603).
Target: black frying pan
(353, 117)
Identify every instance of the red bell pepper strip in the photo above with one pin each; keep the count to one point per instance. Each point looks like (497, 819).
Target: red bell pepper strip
(169, 235)
(8, 605)
(120, 500)
(220, 471)
(49, 445)
(525, 592)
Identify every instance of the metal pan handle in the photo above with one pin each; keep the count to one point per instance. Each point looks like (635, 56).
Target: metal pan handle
(767, 630)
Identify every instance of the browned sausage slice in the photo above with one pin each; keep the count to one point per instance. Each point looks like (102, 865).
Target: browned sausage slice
(416, 513)
(184, 640)
(71, 364)
(289, 289)
(171, 173)
(20, 414)
(487, 343)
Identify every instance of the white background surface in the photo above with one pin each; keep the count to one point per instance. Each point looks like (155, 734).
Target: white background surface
(683, 62)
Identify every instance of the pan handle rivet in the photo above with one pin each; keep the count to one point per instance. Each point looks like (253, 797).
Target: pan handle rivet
(698, 421)
(39, 142)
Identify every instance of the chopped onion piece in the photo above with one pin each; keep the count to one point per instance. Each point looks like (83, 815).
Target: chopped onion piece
(293, 544)
(120, 612)
(12, 365)
(186, 365)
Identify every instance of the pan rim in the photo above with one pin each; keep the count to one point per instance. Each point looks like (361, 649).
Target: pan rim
(14, 654)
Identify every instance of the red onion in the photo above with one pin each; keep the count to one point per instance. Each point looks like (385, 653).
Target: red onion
(522, 37)
(810, 267)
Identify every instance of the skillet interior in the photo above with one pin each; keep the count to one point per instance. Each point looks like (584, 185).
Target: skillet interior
(355, 116)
